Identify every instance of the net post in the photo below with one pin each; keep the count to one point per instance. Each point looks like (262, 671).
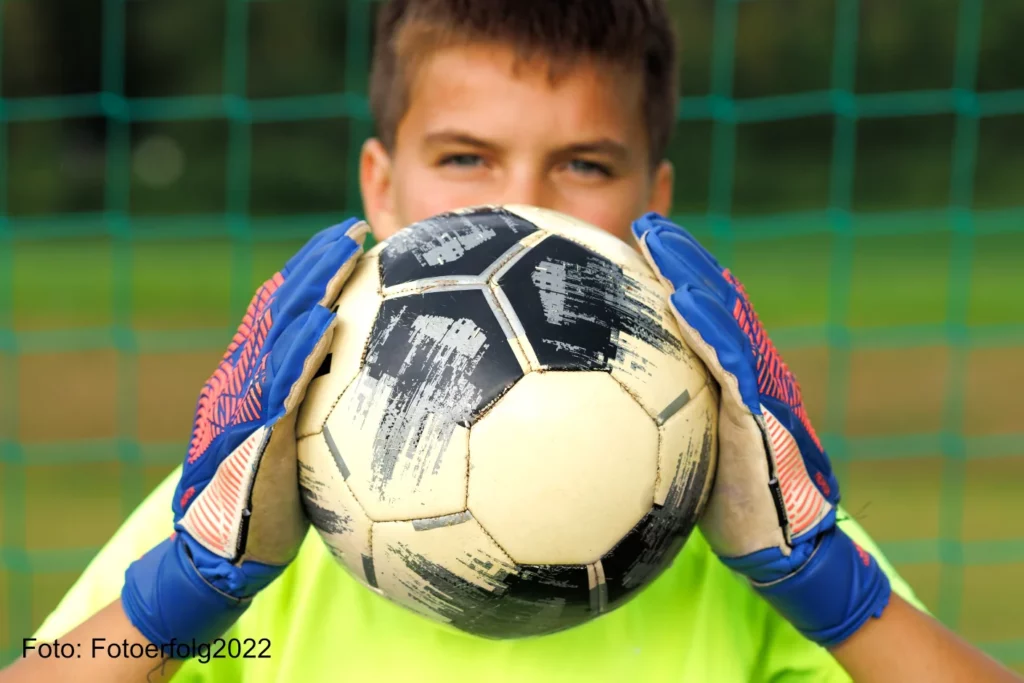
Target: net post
(840, 212)
(117, 208)
(13, 554)
(239, 155)
(359, 30)
(961, 199)
(723, 135)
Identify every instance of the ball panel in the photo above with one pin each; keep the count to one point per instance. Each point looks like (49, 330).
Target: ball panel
(643, 554)
(688, 455)
(687, 462)
(581, 311)
(660, 376)
(332, 509)
(357, 310)
(439, 571)
(554, 484)
(395, 470)
(455, 573)
(452, 244)
(609, 246)
(687, 459)
(433, 363)
(446, 353)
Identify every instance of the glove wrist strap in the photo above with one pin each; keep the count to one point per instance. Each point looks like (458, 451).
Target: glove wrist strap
(834, 593)
(168, 602)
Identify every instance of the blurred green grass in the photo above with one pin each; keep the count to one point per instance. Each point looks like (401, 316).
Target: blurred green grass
(901, 279)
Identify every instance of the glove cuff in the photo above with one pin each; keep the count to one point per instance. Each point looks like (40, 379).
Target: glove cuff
(834, 593)
(168, 602)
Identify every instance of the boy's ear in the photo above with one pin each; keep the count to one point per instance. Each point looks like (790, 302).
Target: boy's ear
(661, 188)
(376, 186)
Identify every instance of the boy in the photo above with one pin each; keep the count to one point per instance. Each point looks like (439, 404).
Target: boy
(566, 105)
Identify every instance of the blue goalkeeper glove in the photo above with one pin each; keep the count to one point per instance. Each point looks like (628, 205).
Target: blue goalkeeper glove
(772, 512)
(238, 519)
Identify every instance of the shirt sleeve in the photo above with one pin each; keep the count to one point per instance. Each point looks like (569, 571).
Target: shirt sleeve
(101, 582)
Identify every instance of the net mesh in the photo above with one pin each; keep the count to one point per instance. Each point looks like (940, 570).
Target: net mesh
(873, 210)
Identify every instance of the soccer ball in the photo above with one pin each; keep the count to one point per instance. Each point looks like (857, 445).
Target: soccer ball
(509, 435)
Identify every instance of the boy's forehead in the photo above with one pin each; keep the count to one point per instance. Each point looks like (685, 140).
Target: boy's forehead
(491, 89)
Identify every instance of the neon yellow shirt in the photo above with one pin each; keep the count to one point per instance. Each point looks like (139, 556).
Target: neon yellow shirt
(697, 622)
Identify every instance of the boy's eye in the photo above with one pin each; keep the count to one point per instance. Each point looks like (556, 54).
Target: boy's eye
(589, 168)
(462, 160)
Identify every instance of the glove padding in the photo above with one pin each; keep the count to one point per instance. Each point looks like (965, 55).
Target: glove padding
(772, 511)
(238, 518)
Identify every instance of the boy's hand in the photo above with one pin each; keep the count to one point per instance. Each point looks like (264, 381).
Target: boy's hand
(772, 511)
(238, 518)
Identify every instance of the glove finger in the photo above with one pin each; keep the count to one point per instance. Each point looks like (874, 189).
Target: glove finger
(312, 244)
(714, 335)
(654, 222)
(683, 253)
(320, 272)
(322, 263)
(672, 271)
(303, 349)
(315, 244)
(357, 234)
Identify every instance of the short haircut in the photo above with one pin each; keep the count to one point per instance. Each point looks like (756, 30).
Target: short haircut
(635, 35)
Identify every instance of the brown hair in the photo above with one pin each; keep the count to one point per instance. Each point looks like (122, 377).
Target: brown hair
(634, 34)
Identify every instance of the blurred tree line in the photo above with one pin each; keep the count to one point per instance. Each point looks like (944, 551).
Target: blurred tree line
(287, 48)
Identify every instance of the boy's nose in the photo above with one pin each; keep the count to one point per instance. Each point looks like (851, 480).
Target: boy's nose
(528, 188)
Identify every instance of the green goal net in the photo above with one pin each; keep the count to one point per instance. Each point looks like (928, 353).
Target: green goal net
(859, 164)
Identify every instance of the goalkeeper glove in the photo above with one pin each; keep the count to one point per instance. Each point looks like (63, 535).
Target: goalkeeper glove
(772, 511)
(238, 519)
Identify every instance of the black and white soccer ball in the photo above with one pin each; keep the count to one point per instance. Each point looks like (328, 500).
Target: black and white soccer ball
(509, 435)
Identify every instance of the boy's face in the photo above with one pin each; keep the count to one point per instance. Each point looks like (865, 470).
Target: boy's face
(478, 131)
